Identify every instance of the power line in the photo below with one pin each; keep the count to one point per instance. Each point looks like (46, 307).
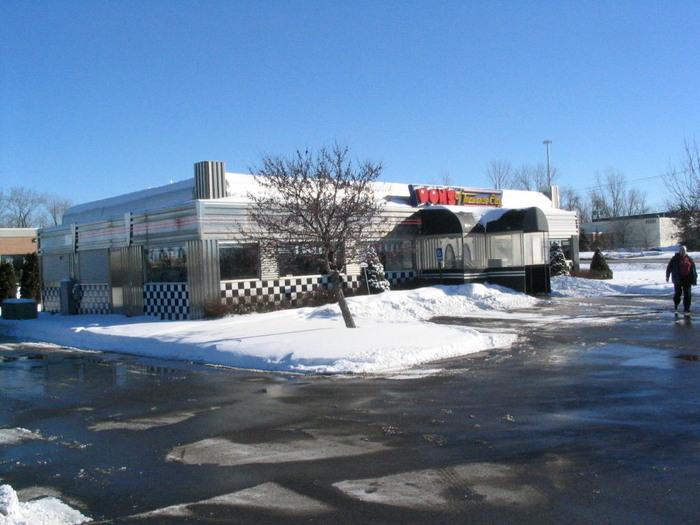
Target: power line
(600, 186)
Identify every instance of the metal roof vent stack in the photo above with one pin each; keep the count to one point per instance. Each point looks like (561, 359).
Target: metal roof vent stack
(209, 180)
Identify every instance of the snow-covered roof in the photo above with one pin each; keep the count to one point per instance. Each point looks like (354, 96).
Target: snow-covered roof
(240, 185)
(525, 199)
(168, 195)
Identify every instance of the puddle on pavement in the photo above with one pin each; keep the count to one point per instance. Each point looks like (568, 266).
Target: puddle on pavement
(11, 358)
(688, 357)
(637, 356)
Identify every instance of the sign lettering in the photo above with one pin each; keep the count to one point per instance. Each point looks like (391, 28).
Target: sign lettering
(421, 195)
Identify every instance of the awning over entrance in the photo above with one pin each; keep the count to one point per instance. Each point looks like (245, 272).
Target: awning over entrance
(437, 221)
(526, 220)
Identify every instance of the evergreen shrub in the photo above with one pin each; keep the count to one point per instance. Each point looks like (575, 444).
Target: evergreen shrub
(557, 261)
(29, 283)
(600, 266)
(8, 281)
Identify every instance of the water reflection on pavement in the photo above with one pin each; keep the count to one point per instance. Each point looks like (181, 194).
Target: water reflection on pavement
(592, 417)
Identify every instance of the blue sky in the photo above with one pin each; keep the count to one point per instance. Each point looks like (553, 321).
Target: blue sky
(100, 98)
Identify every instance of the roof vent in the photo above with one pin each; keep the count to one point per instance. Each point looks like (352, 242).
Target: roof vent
(209, 180)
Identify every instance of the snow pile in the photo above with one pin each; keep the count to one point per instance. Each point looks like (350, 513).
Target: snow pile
(646, 277)
(17, 435)
(393, 333)
(425, 303)
(42, 511)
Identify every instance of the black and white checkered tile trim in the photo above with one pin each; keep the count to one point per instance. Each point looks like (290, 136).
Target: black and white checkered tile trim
(279, 290)
(167, 300)
(400, 277)
(51, 299)
(94, 299)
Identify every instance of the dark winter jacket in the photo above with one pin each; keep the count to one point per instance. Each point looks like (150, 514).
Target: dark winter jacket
(673, 269)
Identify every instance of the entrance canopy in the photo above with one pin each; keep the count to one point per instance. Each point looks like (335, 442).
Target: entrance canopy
(442, 220)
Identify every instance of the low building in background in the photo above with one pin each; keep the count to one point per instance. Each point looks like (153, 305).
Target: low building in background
(169, 251)
(651, 230)
(15, 243)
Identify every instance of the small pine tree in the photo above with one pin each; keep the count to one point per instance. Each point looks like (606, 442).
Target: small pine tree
(8, 281)
(373, 274)
(557, 261)
(29, 284)
(600, 266)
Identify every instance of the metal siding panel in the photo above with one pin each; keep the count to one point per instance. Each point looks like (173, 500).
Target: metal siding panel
(126, 280)
(56, 239)
(173, 225)
(210, 180)
(203, 274)
(54, 268)
(225, 221)
(93, 266)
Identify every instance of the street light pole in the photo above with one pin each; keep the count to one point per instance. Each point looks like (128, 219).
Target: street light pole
(549, 169)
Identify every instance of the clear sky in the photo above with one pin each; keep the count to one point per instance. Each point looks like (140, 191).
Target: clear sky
(104, 97)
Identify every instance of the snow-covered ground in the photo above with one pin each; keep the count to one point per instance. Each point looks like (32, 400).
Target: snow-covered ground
(393, 333)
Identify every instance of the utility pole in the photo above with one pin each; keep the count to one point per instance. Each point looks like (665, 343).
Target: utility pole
(549, 169)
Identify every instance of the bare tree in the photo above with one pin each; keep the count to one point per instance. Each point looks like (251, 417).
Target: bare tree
(683, 186)
(55, 208)
(532, 178)
(320, 205)
(22, 208)
(572, 201)
(500, 173)
(445, 179)
(611, 198)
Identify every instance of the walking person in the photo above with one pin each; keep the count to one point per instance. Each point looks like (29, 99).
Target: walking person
(682, 269)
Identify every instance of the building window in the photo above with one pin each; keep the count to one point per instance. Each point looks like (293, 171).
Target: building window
(450, 258)
(239, 262)
(534, 247)
(397, 255)
(507, 248)
(474, 251)
(300, 259)
(166, 265)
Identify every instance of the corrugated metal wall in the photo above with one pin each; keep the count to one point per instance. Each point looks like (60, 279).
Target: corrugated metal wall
(93, 267)
(203, 274)
(126, 280)
(210, 180)
(57, 239)
(56, 267)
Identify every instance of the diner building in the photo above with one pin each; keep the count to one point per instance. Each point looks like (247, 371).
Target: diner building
(168, 251)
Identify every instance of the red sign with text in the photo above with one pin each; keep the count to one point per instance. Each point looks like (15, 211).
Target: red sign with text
(421, 195)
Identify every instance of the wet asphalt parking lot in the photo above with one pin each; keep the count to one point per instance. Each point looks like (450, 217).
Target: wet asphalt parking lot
(592, 417)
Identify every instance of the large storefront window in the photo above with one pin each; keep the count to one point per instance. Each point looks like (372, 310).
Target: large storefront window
(534, 247)
(507, 248)
(398, 255)
(239, 262)
(474, 251)
(300, 260)
(166, 265)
